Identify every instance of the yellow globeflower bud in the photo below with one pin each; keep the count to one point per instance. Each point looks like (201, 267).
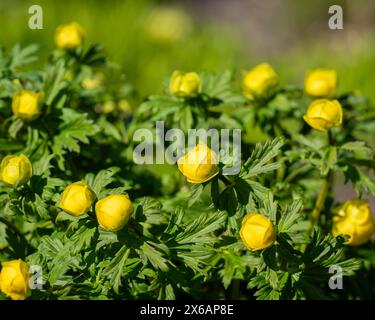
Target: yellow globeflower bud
(185, 84)
(167, 25)
(199, 164)
(354, 219)
(69, 36)
(114, 211)
(15, 170)
(27, 104)
(259, 81)
(77, 198)
(324, 114)
(257, 231)
(124, 106)
(94, 82)
(14, 279)
(321, 83)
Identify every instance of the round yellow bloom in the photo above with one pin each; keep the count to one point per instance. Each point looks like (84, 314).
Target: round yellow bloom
(77, 198)
(199, 164)
(354, 219)
(114, 211)
(259, 81)
(257, 231)
(14, 279)
(321, 83)
(15, 170)
(108, 107)
(167, 25)
(185, 85)
(69, 36)
(27, 104)
(91, 83)
(124, 106)
(324, 114)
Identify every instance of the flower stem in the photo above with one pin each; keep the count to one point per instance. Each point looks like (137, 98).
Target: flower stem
(225, 180)
(319, 204)
(10, 226)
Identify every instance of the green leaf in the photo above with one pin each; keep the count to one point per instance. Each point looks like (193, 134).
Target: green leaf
(259, 161)
(75, 128)
(20, 57)
(290, 216)
(102, 179)
(115, 269)
(196, 191)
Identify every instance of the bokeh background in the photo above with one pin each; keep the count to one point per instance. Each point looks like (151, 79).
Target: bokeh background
(148, 39)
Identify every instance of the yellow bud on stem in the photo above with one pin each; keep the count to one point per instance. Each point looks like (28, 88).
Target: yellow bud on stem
(14, 279)
(113, 212)
(15, 170)
(354, 219)
(77, 198)
(257, 232)
(185, 84)
(324, 114)
(69, 36)
(199, 164)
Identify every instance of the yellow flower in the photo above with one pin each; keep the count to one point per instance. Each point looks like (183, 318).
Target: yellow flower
(27, 104)
(354, 219)
(69, 36)
(113, 212)
(324, 114)
(259, 81)
(91, 83)
(185, 84)
(167, 25)
(14, 279)
(77, 198)
(199, 164)
(94, 82)
(257, 231)
(321, 83)
(107, 107)
(124, 106)
(68, 75)
(15, 170)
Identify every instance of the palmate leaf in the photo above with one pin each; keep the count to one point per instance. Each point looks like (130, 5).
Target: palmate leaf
(234, 267)
(102, 179)
(75, 128)
(200, 229)
(115, 268)
(20, 57)
(219, 86)
(290, 216)
(54, 82)
(149, 253)
(259, 161)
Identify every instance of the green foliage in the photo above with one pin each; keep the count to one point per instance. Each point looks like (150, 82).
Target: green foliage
(181, 240)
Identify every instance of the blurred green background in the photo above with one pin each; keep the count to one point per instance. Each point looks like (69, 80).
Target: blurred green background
(149, 38)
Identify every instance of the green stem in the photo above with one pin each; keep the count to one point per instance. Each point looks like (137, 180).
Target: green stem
(277, 131)
(11, 226)
(225, 180)
(319, 204)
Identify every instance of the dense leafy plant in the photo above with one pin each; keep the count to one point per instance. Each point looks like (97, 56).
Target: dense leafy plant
(272, 231)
